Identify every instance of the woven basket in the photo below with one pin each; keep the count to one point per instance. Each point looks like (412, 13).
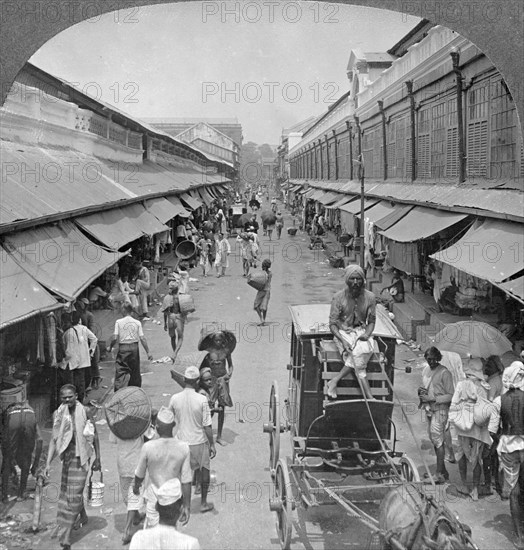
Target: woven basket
(194, 359)
(128, 412)
(187, 304)
(257, 280)
(212, 335)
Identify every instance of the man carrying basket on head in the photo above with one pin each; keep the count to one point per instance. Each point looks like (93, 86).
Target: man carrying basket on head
(352, 321)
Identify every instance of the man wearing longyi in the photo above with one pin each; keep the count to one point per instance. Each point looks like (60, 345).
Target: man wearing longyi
(352, 321)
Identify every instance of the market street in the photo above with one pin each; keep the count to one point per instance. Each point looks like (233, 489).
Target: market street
(241, 518)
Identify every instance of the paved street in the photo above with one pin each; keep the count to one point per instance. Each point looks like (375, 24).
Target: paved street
(241, 518)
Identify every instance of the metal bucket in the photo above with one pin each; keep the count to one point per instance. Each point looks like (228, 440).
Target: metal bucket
(185, 250)
(96, 491)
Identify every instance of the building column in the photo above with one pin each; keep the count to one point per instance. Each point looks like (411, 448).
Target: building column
(336, 154)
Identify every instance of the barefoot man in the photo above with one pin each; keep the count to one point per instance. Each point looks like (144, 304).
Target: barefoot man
(352, 321)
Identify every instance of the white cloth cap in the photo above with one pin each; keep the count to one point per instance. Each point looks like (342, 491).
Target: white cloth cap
(191, 373)
(169, 492)
(513, 376)
(165, 416)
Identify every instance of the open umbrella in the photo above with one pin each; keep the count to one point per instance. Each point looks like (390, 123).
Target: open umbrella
(472, 337)
(268, 217)
(253, 203)
(245, 218)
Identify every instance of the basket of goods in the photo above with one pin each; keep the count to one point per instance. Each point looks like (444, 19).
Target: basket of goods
(214, 336)
(187, 304)
(257, 280)
(128, 412)
(194, 359)
(292, 231)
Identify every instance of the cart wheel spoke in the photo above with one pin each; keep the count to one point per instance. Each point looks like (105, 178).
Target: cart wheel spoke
(284, 497)
(408, 469)
(274, 423)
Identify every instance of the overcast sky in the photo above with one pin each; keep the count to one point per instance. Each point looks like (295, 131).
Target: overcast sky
(268, 64)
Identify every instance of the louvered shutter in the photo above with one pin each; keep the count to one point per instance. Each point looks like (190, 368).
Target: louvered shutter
(452, 159)
(477, 149)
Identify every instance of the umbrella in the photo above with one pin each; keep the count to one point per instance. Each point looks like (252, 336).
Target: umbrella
(472, 337)
(245, 218)
(268, 218)
(253, 203)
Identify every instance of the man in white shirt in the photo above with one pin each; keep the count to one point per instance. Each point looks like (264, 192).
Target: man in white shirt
(165, 535)
(128, 332)
(193, 421)
(163, 459)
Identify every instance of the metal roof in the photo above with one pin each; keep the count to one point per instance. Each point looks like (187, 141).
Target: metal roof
(514, 288)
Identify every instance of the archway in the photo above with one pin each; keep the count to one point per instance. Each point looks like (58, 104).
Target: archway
(495, 27)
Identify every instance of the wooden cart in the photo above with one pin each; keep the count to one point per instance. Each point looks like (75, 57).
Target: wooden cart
(343, 450)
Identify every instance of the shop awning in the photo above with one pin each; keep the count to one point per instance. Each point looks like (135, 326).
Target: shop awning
(146, 222)
(492, 250)
(393, 217)
(304, 191)
(213, 192)
(344, 199)
(421, 223)
(21, 296)
(329, 198)
(162, 209)
(113, 228)
(60, 257)
(317, 194)
(190, 201)
(378, 211)
(514, 288)
(206, 197)
(181, 211)
(353, 207)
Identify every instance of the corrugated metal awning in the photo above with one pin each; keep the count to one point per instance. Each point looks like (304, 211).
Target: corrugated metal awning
(60, 257)
(421, 223)
(206, 197)
(146, 222)
(345, 199)
(491, 250)
(393, 217)
(354, 206)
(21, 296)
(191, 201)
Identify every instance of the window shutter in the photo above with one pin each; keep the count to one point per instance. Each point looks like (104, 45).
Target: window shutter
(477, 149)
(452, 160)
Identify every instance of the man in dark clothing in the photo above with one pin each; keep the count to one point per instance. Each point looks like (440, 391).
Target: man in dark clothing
(20, 435)
(253, 223)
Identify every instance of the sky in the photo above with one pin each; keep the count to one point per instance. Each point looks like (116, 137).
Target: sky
(269, 64)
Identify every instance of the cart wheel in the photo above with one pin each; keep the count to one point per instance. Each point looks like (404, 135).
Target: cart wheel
(274, 425)
(283, 505)
(408, 469)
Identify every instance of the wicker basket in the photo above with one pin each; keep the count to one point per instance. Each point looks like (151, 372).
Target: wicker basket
(213, 335)
(257, 280)
(128, 412)
(187, 304)
(194, 359)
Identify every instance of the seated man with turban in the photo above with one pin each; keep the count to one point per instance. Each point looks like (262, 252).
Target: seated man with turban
(352, 321)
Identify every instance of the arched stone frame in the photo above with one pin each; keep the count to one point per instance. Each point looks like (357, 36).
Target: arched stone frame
(496, 27)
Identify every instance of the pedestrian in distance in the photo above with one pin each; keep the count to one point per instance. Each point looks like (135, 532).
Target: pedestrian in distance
(279, 224)
(352, 321)
(74, 439)
(435, 397)
(222, 258)
(163, 459)
(204, 246)
(20, 437)
(142, 285)
(80, 345)
(193, 421)
(165, 535)
(128, 333)
(262, 297)
(174, 319)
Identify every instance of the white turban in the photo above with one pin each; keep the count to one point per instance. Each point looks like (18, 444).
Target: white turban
(513, 376)
(352, 270)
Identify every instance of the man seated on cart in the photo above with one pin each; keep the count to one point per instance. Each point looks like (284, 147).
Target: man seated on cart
(352, 321)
